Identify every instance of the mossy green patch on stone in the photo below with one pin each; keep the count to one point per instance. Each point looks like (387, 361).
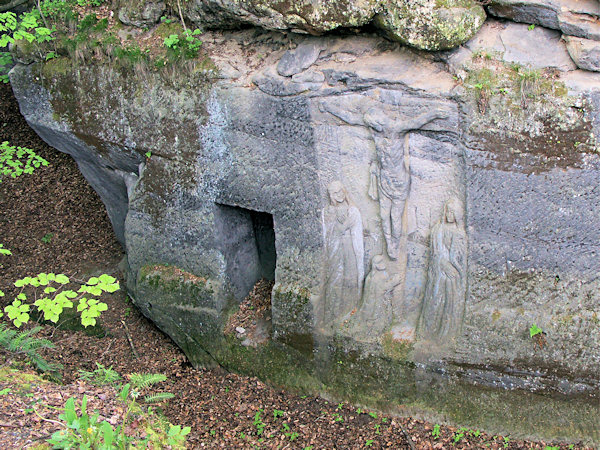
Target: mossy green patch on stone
(57, 67)
(179, 287)
(396, 349)
(431, 24)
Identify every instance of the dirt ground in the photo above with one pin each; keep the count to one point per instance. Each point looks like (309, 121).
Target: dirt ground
(52, 221)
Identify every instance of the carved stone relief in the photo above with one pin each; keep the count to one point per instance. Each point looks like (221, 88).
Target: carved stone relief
(398, 178)
(444, 300)
(375, 315)
(344, 256)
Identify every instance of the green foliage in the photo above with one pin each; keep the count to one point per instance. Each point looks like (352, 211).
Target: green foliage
(25, 343)
(16, 161)
(28, 28)
(84, 3)
(258, 423)
(47, 238)
(17, 312)
(158, 397)
(100, 376)
(435, 433)
(82, 430)
(534, 330)
(459, 435)
(145, 380)
(183, 45)
(54, 299)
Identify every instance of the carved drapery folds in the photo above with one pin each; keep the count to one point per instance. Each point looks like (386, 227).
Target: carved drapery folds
(444, 300)
(416, 282)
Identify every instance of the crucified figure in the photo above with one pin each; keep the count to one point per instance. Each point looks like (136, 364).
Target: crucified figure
(390, 172)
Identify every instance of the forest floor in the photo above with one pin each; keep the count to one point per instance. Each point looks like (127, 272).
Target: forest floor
(52, 221)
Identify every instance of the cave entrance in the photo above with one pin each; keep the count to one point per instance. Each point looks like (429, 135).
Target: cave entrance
(247, 241)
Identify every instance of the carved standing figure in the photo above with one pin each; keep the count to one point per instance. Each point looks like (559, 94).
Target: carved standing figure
(345, 255)
(375, 313)
(390, 173)
(444, 301)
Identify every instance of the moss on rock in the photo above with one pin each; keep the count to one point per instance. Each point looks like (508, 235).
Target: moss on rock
(431, 24)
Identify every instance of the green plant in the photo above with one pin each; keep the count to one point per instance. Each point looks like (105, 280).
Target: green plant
(148, 154)
(369, 443)
(183, 45)
(534, 330)
(84, 3)
(531, 27)
(435, 433)
(100, 376)
(54, 300)
(258, 423)
(16, 161)
(506, 442)
(4, 251)
(24, 343)
(47, 238)
(27, 28)
(277, 413)
(373, 415)
(84, 431)
(292, 435)
(457, 437)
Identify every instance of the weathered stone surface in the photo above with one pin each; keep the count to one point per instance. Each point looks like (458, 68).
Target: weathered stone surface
(431, 25)
(414, 236)
(141, 13)
(572, 17)
(425, 24)
(314, 17)
(301, 58)
(513, 42)
(584, 52)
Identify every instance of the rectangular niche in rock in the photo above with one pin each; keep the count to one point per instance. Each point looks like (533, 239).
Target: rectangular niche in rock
(247, 240)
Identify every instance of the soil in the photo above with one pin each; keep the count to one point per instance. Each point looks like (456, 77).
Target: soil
(52, 221)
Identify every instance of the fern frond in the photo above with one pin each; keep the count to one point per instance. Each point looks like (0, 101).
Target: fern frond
(158, 397)
(6, 335)
(24, 342)
(144, 380)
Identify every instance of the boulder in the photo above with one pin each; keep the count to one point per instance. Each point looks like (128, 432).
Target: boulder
(308, 16)
(429, 24)
(141, 14)
(585, 53)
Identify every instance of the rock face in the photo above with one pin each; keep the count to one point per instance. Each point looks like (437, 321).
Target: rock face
(426, 24)
(572, 17)
(585, 53)
(417, 216)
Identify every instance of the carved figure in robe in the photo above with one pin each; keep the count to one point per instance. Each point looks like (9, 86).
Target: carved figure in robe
(444, 301)
(390, 172)
(345, 255)
(375, 313)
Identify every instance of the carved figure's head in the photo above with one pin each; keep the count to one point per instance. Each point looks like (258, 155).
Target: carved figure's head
(453, 211)
(375, 118)
(378, 263)
(337, 193)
